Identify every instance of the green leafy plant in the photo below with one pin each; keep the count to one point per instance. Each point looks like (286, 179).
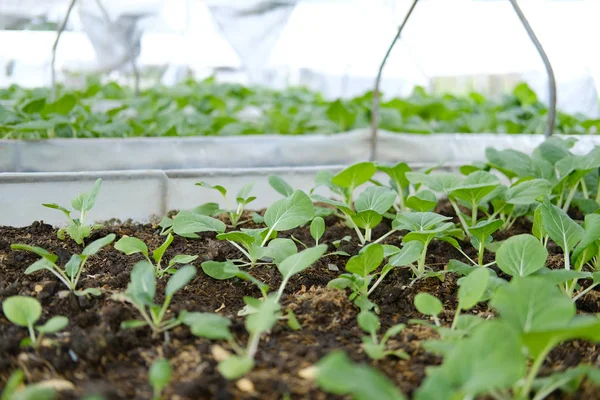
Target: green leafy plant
(361, 267)
(77, 228)
(141, 292)
(374, 347)
(336, 374)
(15, 389)
(26, 311)
(242, 199)
(132, 245)
(72, 270)
(159, 376)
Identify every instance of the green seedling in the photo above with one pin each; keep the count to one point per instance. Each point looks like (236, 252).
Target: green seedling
(282, 215)
(424, 227)
(429, 305)
(142, 290)
(189, 223)
(242, 199)
(361, 269)
(375, 348)
(317, 229)
(481, 236)
(367, 211)
(338, 375)
(399, 183)
(72, 271)
(26, 311)
(159, 376)
(261, 315)
(131, 245)
(15, 389)
(77, 228)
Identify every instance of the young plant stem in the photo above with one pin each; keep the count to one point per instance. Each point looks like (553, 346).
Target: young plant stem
(377, 282)
(474, 211)
(421, 262)
(584, 292)
(163, 309)
(76, 280)
(436, 320)
(598, 193)
(523, 393)
(359, 234)
(384, 236)
(242, 250)
(460, 218)
(253, 345)
(480, 254)
(498, 211)
(267, 237)
(455, 319)
(584, 188)
(31, 329)
(570, 197)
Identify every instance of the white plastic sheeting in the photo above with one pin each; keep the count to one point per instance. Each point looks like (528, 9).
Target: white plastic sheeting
(66, 155)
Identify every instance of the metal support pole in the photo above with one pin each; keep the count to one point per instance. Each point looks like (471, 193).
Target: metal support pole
(549, 71)
(61, 29)
(375, 106)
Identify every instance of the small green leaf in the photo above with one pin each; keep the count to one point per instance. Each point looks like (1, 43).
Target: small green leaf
(98, 244)
(220, 270)
(159, 375)
(157, 254)
(409, 253)
(290, 212)
(355, 175)
(375, 198)
(72, 266)
(37, 250)
(280, 185)
(472, 288)
(299, 262)
(181, 259)
(218, 188)
(85, 201)
(428, 304)
(292, 321)
(182, 277)
(132, 324)
(317, 228)
(22, 310)
(280, 249)
(142, 287)
(40, 264)
(131, 245)
(54, 324)
(207, 325)
(368, 321)
(189, 223)
(242, 238)
(527, 192)
(423, 200)
(235, 367)
(565, 232)
(365, 263)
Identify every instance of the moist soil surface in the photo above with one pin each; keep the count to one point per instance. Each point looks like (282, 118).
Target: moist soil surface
(97, 357)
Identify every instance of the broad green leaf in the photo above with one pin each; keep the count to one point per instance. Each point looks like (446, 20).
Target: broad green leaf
(37, 250)
(131, 245)
(483, 229)
(511, 163)
(422, 201)
(367, 219)
(208, 209)
(418, 221)
(409, 253)
(472, 367)
(142, 287)
(22, 310)
(538, 226)
(280, 185)
(72, 266)
(207, 325)
(428, 304)
(189, 223)
(555, 149)
(565, 232)
(182, 277)
(355, 175)
(299, 262)
(475, 187)
(442, 182)
(157, 254)
(54, 324)
(397, 174)
(235, 367)
(280, 249)
(159, 374)
(590, 236)
(40, 264)
(367, 262)
(527, 192)
(242, 238)
(585, 327)
(533, 304)
(220, 270)
(288, 213)
(181, 259)
(85, 201)
(473, 288)
(368, 321)
(343, 207)
(218, 188)
(98, 244)
(78, 232)
(57, 207)
(375, 198)
(317, 228)
(521, 255)
(266, 315)
(558, 276)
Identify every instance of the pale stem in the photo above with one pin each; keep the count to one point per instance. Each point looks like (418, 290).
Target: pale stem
(460, 218)
(237, 246)
(455, 319)
(384, 236)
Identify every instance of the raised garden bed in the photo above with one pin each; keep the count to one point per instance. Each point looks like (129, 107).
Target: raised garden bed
(507, 297)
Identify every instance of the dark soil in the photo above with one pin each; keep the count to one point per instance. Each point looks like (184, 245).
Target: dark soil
(99, 358)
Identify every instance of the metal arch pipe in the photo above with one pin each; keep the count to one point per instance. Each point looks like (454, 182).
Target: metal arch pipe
(549, 70)
(375, 105)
